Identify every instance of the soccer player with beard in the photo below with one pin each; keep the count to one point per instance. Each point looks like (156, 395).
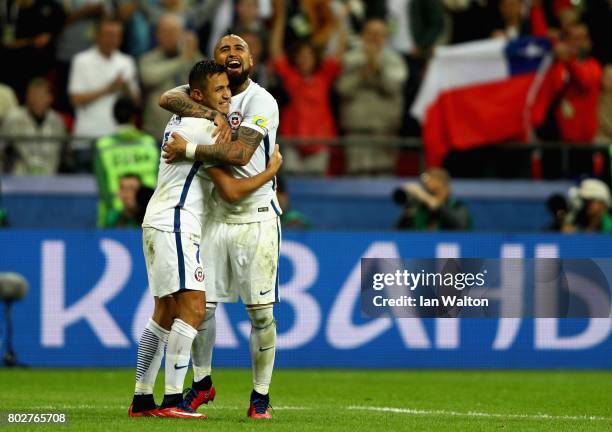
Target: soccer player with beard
(241, 241)
(171, 238)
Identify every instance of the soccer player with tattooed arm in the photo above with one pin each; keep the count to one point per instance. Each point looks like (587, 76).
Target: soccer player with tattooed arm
(172, 228)
(241, 240)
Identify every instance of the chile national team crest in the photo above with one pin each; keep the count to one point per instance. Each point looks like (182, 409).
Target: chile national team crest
(199, 274)
(235, 119)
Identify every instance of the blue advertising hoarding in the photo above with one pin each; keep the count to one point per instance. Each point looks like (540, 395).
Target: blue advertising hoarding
(89, 301)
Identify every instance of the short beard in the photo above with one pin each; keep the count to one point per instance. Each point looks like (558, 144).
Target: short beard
(235, 81)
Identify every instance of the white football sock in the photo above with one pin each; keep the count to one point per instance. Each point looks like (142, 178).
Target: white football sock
(177, 355)
(150, 354)
(263, 347)
(203, 344)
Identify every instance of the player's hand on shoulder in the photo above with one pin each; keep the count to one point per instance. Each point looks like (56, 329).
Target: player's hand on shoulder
(276, 160)
(223, 132)
(174, 149)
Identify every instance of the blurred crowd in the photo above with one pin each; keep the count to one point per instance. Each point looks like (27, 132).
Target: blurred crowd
(347, 68)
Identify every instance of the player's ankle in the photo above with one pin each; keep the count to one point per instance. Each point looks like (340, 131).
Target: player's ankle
(257, 395)
(171, 400)
(204, 384)
(143, 402)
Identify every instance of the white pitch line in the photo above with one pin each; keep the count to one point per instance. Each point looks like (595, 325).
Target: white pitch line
(475, 414)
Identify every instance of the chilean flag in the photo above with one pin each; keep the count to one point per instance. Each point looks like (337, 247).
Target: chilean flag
(479, 93)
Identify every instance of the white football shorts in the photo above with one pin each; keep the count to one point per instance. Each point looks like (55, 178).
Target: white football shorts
(241, 260)
(173, 261)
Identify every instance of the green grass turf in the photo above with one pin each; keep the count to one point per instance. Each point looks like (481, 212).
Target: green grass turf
(318, 400)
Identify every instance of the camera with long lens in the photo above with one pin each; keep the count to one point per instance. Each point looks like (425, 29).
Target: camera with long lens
(401, 196)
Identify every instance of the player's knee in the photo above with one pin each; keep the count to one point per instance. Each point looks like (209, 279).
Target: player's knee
(198, 313)
(261, 318)
(193, 313)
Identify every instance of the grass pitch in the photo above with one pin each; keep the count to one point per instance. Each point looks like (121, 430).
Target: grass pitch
(329, 400)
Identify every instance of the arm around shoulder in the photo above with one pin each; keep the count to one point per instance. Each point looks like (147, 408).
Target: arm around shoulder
(233, 190)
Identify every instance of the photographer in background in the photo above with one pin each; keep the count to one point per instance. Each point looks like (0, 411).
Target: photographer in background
(558, 208)
(429, 206)
(589, 206)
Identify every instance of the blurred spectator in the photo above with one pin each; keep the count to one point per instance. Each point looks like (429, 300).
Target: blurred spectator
(539, 21)
(39, 153)
(157, 9)
(165, 67)
(8, 100)
(429, 206)
(355, 13)
(589, 207)
(313, 20)
(571, 91)
(247, 19)
(426, 25)
(29, 29)
(128, 215)
(127, 151)
(308, 79)
(137, 38)
(372, 100)
(77, 35)
(290, 218)
(417, 26)
(214, 18)
(567, 15)
(604, 133)
(471, 19)
(513, 21)
(598, 17)
(98, 77)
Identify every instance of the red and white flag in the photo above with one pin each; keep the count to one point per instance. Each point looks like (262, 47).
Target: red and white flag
(479, 93)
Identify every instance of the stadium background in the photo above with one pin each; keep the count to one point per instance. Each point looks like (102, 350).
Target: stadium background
(88, 299)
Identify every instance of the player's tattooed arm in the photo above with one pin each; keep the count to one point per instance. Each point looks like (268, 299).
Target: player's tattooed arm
(178, 102)
(236, 152)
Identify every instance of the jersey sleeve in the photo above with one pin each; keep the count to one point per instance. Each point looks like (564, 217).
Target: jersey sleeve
(261, 113)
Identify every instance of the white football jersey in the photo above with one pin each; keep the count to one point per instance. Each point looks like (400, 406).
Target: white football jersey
(257, 109)
(183, 188)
